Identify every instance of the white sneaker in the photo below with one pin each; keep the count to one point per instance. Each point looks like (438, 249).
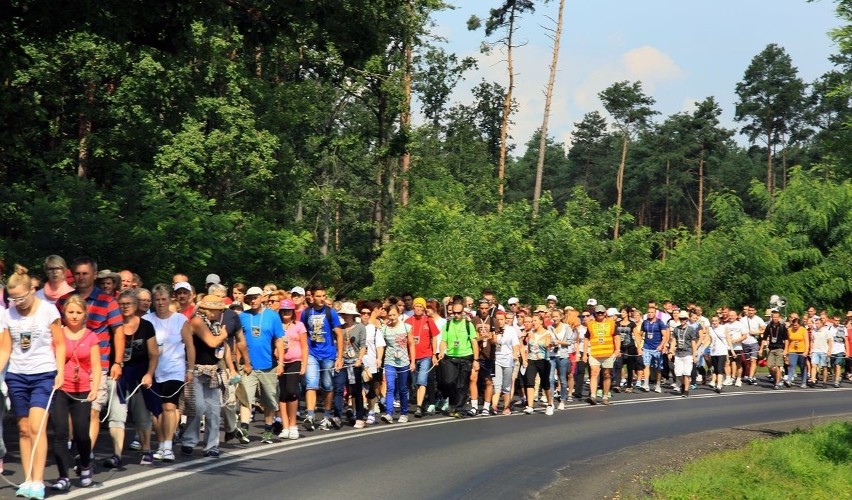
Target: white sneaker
(285, 434)
(529, 410)
(712, 385)
(158, 455)
(543, 399)
(561, 406)
(548, 410)
(728, 382)
(699, 378)
(402, 419)
(657, 388)
(738, 383)
(676, 389)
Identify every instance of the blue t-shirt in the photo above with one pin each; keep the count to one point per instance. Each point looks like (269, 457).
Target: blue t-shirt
(320, 333)
(260, 330)
(653, 333)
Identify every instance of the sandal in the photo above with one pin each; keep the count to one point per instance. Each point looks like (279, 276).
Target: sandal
(86, 476)
(61, 484)
(507, 411)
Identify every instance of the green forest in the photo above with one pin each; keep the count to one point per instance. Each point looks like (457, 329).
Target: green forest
(273, 141)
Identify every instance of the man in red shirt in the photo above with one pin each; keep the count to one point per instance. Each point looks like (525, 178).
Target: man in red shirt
(425, 334)
(183, 295)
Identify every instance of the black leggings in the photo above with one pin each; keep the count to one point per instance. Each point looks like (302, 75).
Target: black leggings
(719, 364)
(62, 406)
(288, 383)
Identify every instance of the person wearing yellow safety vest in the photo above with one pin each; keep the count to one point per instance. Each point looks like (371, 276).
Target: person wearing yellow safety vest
(602, 345)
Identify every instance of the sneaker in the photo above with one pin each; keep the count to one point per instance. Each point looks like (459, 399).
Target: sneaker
(787, 383)
(657, 389)
(599, 394)
(371, 419)
(776, 386)
(616, 389)
(336, 422)
(136, 445)
(529, 410)
(24, 490)
(472, 412)
(147, 458)
(728, 382)
(325, 424)
(485, 412)
(168, 456)
(266, 438)
(308, 423)
(676, 389)
(214, 452)
(114, 462)
(418, 413)
(718, 389)
(837, 384)
(507, 411)
(242, 435)
(699, 378)
(542, 399)
(359, 424)
(36, 491)
(643, 387)
(158, 455)
(277, 427)
(548, 410)
(561, 405)
(628, 390)
(86, 476)
(804, 385)
(284, 434)
(569, 399)
(692, 387)
(396, 403)
(738, 383)
(403, 419)
(61, 484)
(293, 434)
(430, 410)
(455, 414)
(387, 418)
(606, 401)
(685, 394)
(712, 385)
(592, 401)
(446, 405)
(186, 450)
(753, 381)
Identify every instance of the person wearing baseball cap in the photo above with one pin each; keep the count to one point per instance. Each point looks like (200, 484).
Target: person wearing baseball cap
(601, 346)
(212, 279)
(683, 351)
(290, 373)
(183, 294)
(551, 302)
(297, 295)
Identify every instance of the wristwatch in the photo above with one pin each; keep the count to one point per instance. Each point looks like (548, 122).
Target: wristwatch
(121, 365)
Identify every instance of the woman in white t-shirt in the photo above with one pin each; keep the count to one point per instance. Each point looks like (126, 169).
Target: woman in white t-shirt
(720, 347)
(171, 366)
(505, 353)
(371, 374)
(33, 346)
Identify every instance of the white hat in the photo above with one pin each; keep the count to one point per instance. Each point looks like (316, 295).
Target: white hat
(255, 290)
(512, 300)
(298, 290)
(552, 297)
(348, 308)
(212, 278)
(683, 315)
(612, 311)
(591, 302)
(183, 285)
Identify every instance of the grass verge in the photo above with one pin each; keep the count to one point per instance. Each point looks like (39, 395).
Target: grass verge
(806, 464)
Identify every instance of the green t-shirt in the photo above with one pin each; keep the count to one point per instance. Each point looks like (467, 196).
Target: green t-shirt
(458, 335)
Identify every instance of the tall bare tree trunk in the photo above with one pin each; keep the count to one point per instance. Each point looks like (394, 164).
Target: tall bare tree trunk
(84, 129)
(619, 184)
(770, 177)
(405, 124)
(700, 220)
(507, 108)
(378, 210)
(548, 96)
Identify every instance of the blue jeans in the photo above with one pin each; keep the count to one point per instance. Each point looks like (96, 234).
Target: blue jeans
(339, 379)
(795, 359)
(559, 369)
(423, 367)
(318, 374)
(207, 405)
(397, 378)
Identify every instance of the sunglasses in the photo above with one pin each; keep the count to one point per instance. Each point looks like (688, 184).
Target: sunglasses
(365, 312)
(586, 315)
(459, 312)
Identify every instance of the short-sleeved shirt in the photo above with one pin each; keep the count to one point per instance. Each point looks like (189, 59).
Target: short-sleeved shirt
(652, 331)
(735, 329)
(78, 362)
(797, 336)
(260, 330)
(321, 338)
(822, 340)
(775, 335)
(293, 341)
(171, 363)
(32, 340)
(458, 334)
(396, 349)
(749, 324)
(136, 345)
(683, 337)
(626, 334)
(354, 339)
(424, 330)
(506, 342)
(103, 314)
(537, 346)
(563, 333)
(374, 340)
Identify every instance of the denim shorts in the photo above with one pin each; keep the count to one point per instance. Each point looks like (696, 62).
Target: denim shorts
(318, 374)
(652, 358)
(423, 366)
(29, 391)
(838, 359)
(819, 359)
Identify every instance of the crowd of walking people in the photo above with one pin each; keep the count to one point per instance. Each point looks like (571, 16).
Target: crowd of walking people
(84, 346)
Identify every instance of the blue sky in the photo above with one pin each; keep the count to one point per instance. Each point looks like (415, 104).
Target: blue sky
(682, 51)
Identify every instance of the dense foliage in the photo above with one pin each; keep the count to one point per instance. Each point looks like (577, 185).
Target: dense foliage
(264, 141)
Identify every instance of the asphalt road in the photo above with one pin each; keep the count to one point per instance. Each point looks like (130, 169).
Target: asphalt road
(437, 457)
